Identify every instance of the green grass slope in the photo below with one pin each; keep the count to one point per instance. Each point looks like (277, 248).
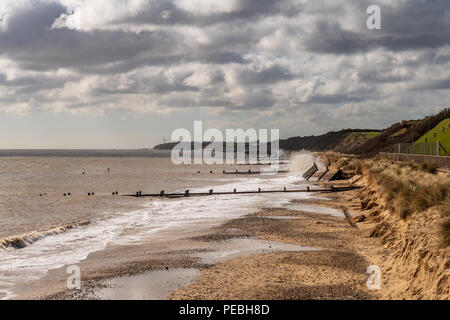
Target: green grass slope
(366, 135)
(439, 133)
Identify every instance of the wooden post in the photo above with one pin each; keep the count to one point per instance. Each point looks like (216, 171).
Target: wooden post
(137, 193)
(284, 189)
(259, 190)
(234, 190)
(307, 188)
(438, 148)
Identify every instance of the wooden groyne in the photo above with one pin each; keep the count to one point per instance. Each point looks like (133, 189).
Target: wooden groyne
(253, 172)
(264, 163)
(332, 175)
(310, 172)
(320, 174)
(187, 193)
(242, 172)
(326, 175)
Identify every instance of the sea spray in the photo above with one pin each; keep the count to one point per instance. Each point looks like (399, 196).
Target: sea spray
(303, 160)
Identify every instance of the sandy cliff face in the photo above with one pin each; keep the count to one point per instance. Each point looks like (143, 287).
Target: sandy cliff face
(418, 266)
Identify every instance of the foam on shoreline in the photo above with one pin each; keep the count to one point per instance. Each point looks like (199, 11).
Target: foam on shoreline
(29, 257)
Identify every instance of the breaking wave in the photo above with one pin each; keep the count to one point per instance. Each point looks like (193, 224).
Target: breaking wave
(26, 239)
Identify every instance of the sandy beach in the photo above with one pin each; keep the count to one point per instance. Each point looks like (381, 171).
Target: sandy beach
(285, 246)
(275, 253)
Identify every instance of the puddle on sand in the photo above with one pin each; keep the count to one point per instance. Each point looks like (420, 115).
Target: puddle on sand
(159, 284)
(236, 248)
(154, 285)
(315, 209)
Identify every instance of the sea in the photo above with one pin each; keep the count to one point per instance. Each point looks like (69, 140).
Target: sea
(59, 206)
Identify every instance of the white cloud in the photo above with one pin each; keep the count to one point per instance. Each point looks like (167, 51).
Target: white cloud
(273, 60)
(95, 14)
(207, 6)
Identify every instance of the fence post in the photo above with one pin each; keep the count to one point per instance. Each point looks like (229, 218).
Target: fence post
(438, 148)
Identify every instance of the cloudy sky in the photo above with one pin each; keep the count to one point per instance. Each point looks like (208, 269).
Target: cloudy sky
(125, 73)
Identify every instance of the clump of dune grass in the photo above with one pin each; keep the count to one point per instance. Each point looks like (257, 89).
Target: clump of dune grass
(408, 188)
(429, 167)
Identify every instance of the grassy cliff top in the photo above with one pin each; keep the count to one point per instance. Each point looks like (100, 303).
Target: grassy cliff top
(439, 133)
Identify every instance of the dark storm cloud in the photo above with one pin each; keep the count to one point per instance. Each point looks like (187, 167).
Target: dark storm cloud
(377, 76)
(444, 59)
(158, 84)
(222, 58)
(329, 37)
(334, 99)
(441, 84)
(30, 40)
(247, 55)
(30, 85)
(167, 13)
(410, 25)
(272, 74)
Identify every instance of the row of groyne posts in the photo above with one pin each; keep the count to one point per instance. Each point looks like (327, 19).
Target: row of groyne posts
(312, 172)
(326, 175)
(68, 194)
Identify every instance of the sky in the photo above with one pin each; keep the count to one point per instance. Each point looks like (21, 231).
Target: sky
(126, 73)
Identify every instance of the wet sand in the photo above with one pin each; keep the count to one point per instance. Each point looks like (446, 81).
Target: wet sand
(336, 271)
(276, 253)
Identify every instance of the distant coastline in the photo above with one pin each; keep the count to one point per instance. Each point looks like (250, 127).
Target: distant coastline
(75, 153)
